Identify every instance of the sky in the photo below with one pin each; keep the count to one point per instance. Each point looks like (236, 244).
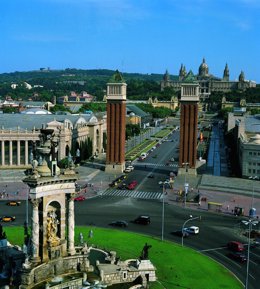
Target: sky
(143, 36)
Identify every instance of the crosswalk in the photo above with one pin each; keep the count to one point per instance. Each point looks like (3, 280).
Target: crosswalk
(132, 194)
(142, 164)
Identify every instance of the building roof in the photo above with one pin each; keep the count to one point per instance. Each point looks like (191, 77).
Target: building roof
(252, 123)
(136, 110)
(35, 110)
(31, 121)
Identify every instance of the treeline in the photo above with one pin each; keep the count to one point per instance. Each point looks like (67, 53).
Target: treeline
(47, 84)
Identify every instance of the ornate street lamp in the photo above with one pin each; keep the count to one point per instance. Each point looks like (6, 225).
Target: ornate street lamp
(248, 223)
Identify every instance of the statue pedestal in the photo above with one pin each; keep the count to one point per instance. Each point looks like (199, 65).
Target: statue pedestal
(145, 265)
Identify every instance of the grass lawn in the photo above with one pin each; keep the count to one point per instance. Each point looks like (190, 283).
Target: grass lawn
(177, 267)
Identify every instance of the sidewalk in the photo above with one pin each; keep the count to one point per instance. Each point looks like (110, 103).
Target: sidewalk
(230, 192)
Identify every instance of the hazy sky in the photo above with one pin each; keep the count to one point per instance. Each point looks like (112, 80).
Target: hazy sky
(146, 36)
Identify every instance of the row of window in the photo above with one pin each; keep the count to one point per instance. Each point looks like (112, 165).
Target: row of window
(254, 153)
(253, 164)
(253, 171)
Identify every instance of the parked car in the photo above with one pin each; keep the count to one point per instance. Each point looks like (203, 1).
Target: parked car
(235, 246)
(192, 230)
(143, 219)
(181, 233)
(237, 256)
(13, 203)
(79, 199)
(119, 224)
(7, 219)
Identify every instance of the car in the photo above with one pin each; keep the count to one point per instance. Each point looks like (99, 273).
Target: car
(237, 256)
(13, 203)
(143, 220)
(235, 246)
(123, 186)
(131, 168)
(7, 219)
(123, 224)
(192, 230)
(132, 185)
(181, 233)
(127, 170)
(80, 199)
(151, 176)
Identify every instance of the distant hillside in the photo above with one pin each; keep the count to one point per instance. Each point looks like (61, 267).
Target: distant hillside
(46, 83)
(74, 74)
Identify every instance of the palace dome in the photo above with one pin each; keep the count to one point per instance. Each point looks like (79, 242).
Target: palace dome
(203, 69)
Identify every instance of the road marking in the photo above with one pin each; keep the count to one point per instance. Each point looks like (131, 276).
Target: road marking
(213, 249)
(133, 194)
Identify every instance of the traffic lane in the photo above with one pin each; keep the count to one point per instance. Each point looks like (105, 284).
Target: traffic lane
(238, 268)
(18, 211)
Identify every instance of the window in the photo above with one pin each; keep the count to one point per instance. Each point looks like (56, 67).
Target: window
(124, 275)
(250, 153)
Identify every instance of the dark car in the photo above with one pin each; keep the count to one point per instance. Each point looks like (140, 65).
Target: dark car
(143, 219)
(13, 203)
(7, 219)
(119, 224)
(181, 233)
(237, 256)
(123, 186)
(151, 176)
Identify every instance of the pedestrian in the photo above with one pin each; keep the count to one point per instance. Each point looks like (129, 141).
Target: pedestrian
(227, 207)
(81, 238)
(90, 234)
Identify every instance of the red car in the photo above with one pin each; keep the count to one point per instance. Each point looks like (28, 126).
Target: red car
(79, 199)
(132, 185)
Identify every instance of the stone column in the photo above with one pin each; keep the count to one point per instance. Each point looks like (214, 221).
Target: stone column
(18, 153)
(26, 152)
(71, 226)
(3, 152)
(10, 153)
(35, 230)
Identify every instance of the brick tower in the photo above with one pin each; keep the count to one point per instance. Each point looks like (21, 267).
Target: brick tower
(188, 127)
(116, 114)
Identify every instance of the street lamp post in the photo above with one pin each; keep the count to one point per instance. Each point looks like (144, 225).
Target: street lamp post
(253, 178)
(248, 223)
(163, 210)
(186, 189)
(186, 185)
(191, 218)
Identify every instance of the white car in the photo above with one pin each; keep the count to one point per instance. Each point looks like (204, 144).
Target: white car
(192, 230)
(129, 169)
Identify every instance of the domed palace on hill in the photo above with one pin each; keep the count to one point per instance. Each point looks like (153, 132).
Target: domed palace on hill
(207, 82)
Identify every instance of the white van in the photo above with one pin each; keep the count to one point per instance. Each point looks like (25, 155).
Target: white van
(192, 230)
